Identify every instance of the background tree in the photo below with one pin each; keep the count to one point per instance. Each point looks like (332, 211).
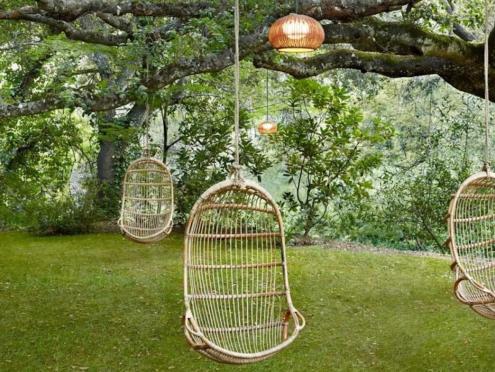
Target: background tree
(205, 152)
(327, 151)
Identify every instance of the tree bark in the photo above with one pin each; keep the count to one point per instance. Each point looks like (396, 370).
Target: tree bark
(105, 162)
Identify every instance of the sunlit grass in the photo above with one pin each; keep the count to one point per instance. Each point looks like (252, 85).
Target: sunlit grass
(103, 303)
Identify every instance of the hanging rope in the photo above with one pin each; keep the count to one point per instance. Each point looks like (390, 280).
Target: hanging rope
(237, 68)
(487, 90)
(146, 124)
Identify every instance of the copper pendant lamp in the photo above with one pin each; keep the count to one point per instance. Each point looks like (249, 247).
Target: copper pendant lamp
(296, 33)
(267, 126)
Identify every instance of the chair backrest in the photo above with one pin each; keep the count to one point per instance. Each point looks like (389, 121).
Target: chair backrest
(237, 296)
(147, 201)
(472, 239)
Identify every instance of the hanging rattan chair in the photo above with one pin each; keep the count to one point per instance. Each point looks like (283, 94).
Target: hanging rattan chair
(237, 297)
(147, 201)
(471, 223)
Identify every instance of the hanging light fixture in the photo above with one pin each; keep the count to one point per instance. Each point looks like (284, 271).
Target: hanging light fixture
(296, 33)
(267, 126)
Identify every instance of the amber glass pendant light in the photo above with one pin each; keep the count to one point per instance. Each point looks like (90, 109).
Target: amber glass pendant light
(267, 126)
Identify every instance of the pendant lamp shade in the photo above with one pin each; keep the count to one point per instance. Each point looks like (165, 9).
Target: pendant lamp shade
(267, 127)
(296, 33)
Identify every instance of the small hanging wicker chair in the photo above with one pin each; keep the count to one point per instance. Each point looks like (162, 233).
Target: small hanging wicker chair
(237, 297)
(471, 223)
(148, 201)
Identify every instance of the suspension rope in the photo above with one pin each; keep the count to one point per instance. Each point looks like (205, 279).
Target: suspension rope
(267, 92)
(237, 89)
(487, 89)
(146, 123)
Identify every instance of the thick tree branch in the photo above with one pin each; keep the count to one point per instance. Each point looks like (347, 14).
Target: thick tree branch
(105, 102)
(31, 108)
(73, 9)
(116, 22)
(72, 32)
(467, 77)
(30, 76)
(59, 14)
(92, 34)
(254, 43)
(214, 62)
(459, 30)
(385, 64)
(343, 10)
(349, 10)
(395, 37)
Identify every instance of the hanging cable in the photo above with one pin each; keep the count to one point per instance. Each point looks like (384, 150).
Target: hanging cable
(147, 112)
(237, 94)
(267, 92)
(487, 89)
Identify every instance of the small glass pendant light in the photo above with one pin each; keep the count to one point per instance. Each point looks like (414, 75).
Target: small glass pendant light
(267, 126)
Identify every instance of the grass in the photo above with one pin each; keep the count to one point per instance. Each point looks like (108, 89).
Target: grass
(98, 302)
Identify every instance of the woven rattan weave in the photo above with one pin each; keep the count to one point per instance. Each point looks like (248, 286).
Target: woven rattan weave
(471, 225)
(238, 304)
(147, 201)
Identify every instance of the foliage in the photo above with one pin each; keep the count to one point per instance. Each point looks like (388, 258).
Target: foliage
(36, 161)
(408, 212)
(437, 145)
(441, 16)
(327, 150)
(205, 153)
(69, 214)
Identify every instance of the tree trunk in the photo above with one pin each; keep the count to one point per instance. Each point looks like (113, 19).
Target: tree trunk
(308, 225)
(108, 189)
(105, 163)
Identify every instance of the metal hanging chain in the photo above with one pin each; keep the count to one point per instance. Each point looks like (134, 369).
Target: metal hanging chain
(237, 89)
(487, 90)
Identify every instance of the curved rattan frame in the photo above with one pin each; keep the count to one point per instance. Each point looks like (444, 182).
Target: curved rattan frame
(469, 219)
(210, 327)
(153, 191)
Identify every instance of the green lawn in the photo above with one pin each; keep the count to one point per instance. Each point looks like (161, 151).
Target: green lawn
(99, 302)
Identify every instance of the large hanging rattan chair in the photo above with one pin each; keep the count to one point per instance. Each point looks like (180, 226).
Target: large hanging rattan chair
(471, 223)
(147, 201)
(238, 303)
(471, 226)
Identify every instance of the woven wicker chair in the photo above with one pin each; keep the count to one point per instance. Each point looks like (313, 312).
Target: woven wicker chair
(147, 201)
(471, 223)
(237, 297)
